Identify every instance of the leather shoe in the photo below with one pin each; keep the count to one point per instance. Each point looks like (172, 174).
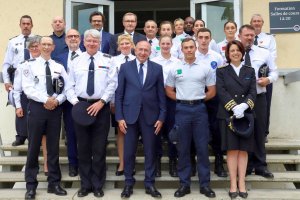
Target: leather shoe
(18, 143)
(244, 195)
(153, 192)
(98, 192)
(264, 173)
(30, 194)
(248, 172)
(208, 192)
(83, 192)
(173, 167)
(57, 190)
(182, 191)
(119, 173)
(127, 191)
(73, 171)
(233, 195)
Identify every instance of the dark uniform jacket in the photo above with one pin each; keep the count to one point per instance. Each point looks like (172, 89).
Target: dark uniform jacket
(233, 90)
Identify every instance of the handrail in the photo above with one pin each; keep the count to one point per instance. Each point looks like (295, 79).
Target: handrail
(291, 77)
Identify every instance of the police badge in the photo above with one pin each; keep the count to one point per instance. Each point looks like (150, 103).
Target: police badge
(263, 71)
(58, 85)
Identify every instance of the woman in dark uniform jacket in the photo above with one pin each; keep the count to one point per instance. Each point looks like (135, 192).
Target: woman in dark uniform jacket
(236, 89)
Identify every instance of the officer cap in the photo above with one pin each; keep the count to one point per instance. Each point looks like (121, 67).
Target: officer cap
(242, 127)
(173, 135)
(80, 114)
(58, 85)
(11, 100)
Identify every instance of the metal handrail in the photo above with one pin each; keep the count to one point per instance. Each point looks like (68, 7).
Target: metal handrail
(291, 77)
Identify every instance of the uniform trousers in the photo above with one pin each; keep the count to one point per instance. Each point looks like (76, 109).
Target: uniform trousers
(257, 159)
(91, 146)
(130, 146)
(21, 122)
(192, 121)
(70, 133)
(269, 99)
(42, 121)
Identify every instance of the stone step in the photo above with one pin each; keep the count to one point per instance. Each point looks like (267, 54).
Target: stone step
(288, 176)
(273, 144)
(271, 158)
(167, 194)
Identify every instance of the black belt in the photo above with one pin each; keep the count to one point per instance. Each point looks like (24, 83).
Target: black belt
(88, 100)
(261, 94)
(190, 102)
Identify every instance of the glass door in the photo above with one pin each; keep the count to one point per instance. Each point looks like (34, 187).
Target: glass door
(78, 12)
(216, 13)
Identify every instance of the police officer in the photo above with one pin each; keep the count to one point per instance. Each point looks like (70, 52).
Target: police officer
(213, 60)
(190, 79)
(94, 80)
(150, 30)
(258, 57)
(266, 41)
(44, 116)
(16, 52)
(58, 24)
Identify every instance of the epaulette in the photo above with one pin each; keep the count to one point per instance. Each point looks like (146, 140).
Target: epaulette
(248, 66)
(24, 61)
(106, 55)
(13, 37)
(262, 47)
(222, 66)
(32, 59)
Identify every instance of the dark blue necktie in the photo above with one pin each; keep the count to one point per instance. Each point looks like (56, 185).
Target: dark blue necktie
(126, 59)
(90, 82)
(141, 73)
(247, 57)
(49, 85)
(26, 52)
(255, 41)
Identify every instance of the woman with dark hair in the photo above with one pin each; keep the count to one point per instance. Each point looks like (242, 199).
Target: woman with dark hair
(236, 89)
(230, 29)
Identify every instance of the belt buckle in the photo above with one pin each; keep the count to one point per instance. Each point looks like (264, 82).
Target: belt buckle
(191, 102)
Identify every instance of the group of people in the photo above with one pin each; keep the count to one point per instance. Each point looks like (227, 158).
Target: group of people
(146, 86)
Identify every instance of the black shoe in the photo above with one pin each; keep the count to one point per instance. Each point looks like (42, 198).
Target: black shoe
(73, 171)
(98, 192)
(30, 194)
(219, 168)
(182, 191)
(83, 192)
(244, 195)
(119, 173)
(248, 172)
(57, 190)
(158, 168)
(233, 195)
(173, 167)
(264, 173)
(153, 192)
(18, 142)
(208, 192)
(127, 191)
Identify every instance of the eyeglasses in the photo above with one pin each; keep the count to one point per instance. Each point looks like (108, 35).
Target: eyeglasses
(72, 36)
(33, 47)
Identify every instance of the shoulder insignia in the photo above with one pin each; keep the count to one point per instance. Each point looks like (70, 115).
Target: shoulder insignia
(32, 59)
(262, 47)
(13, 37)
(222, 66)
(106, 55)
(248, 66)
(24, 61)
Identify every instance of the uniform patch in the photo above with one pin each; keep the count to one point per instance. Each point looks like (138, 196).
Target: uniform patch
(158, 48)
(26, 72)
(223, 48)
(36, 80)
(103, 67)
(179, 71)
(107, 55)
(213, 64)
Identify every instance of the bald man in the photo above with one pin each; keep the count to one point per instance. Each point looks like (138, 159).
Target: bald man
(58, 24)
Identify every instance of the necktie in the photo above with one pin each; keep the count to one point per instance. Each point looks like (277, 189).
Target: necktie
(141, 73)
(247, 57)
(49, 86)
(255, 41)
(90, 82)
(73, 55)
(150, 41)
(26, 53)
(126, 59)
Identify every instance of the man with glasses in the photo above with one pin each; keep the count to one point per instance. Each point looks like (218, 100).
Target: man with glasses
(129, 23)
(97, 20)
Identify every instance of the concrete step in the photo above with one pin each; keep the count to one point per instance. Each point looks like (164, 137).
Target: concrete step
(271, 158)
(167, 194)
(288, 176)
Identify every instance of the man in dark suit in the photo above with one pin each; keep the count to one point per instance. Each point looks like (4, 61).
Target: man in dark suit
(129, 23)
(97, 21)
(140, 105)
(72, 40)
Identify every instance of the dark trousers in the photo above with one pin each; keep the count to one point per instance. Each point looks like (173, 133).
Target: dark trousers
(257, 159)
(21, 122)
(269, 99)
(91, 146)
(70, 133)
(192, 121)
(130, 146)
(48, 122)
(168, 125)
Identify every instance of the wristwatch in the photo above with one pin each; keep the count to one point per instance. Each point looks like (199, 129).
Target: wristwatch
(103, 101)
